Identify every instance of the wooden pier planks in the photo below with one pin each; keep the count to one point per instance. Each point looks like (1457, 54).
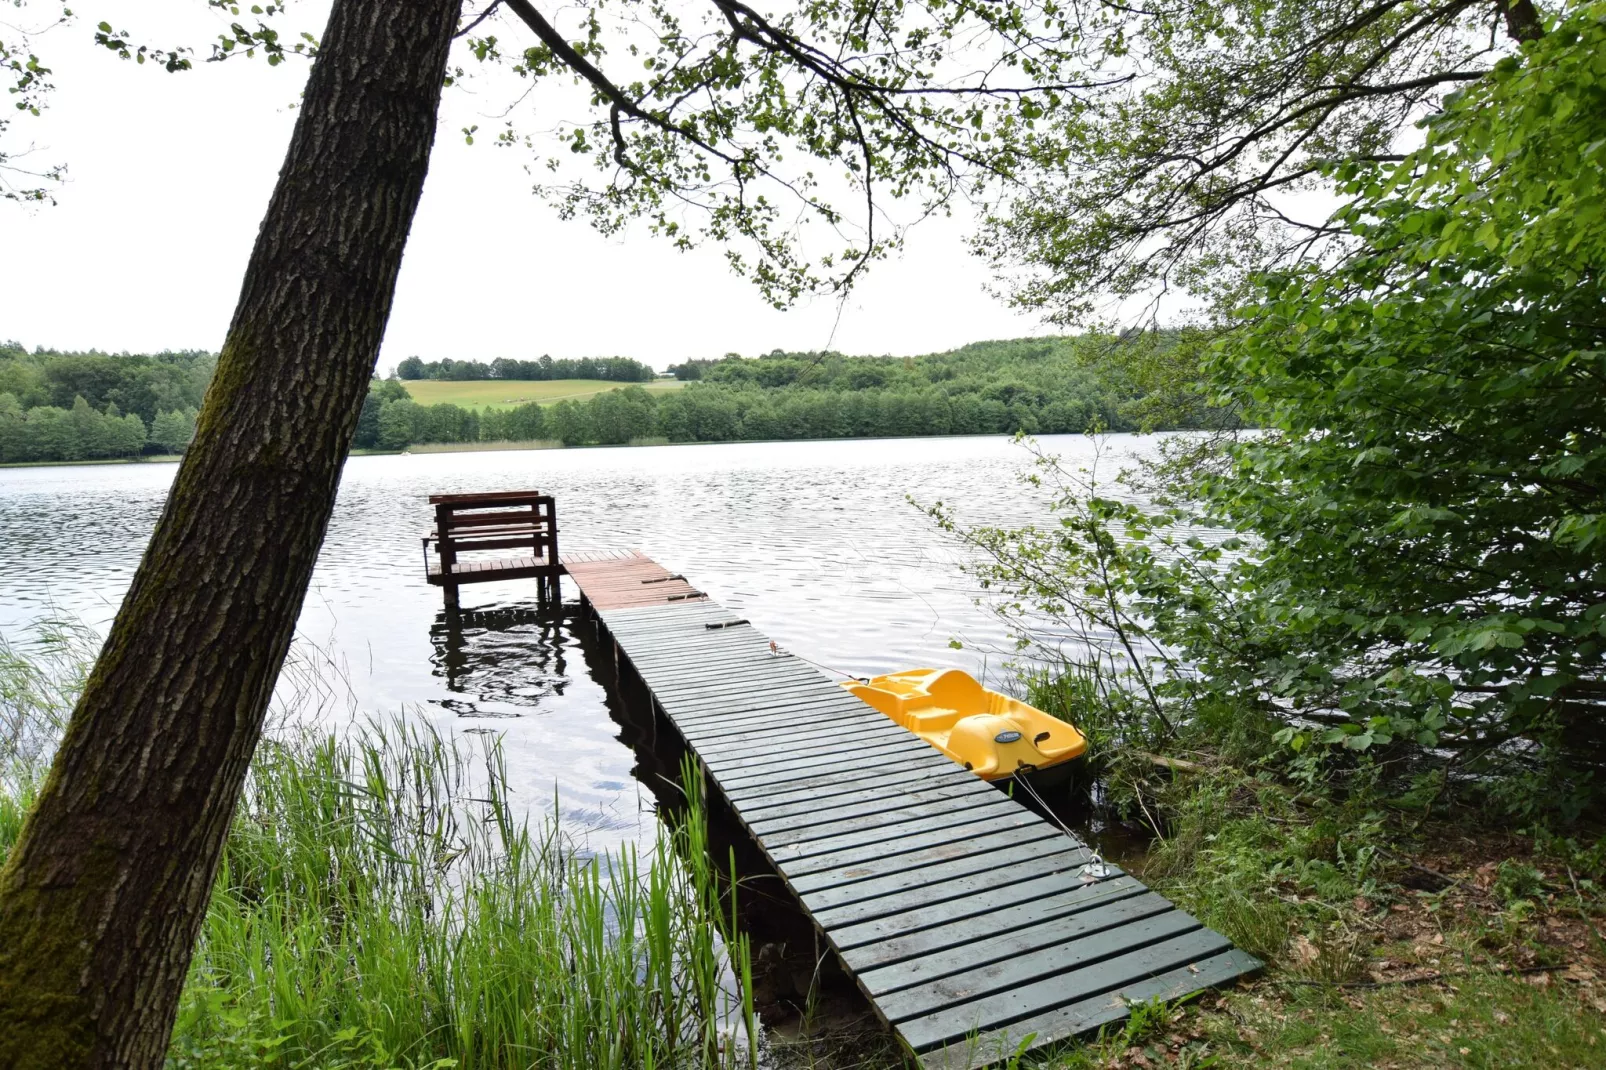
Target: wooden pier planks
(972, 924)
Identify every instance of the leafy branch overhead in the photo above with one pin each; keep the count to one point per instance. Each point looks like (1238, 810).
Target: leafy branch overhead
(746, 128)
(1214, 160)
(28, 84)
(29, 78)
(803, 141)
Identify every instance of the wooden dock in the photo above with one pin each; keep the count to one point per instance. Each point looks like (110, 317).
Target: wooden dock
(975, 927)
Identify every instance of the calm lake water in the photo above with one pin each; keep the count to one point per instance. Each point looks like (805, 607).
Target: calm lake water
(815, 542)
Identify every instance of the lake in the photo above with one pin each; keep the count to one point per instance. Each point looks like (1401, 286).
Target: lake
(816, 543)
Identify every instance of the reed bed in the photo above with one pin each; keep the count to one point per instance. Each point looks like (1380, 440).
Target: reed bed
(380, 905)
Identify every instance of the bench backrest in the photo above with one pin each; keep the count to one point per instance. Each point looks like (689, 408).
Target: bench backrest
(494, 520)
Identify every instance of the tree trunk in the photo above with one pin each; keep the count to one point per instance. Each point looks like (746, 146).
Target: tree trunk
(104, 893)
(1522, 20)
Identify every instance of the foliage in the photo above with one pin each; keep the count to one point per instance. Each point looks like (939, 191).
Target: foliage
(28, 84)
(137, 384)
(1181, 169)
(57, 406)
(47, 433)
(75, 406)
(788, 140)
(608, 369)
(1048, 385)
(171, 432)
(1131, 149)
(1407, 563)
(1428, 508)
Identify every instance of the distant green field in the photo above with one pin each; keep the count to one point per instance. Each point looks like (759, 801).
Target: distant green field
(509, 393)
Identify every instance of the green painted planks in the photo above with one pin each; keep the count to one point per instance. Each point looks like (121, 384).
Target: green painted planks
(746, 773)
(902, 809)
(798, 741)
(847, 752)
(934, 895)
(965, 844)
(767, 686)
(876, 792)
(701, 669)
(734, 714)
(1084, 1015)
(954, 1023)
(803, 728)
(810, 856)
(802, 679)
(1001, 910)
(985, 949)
(925, 769)
(907, 885)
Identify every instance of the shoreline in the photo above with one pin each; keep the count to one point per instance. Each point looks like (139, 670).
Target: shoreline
(155, 458)
(553, 444)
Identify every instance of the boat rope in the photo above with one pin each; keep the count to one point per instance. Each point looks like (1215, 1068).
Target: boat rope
(1026, 785)
(781, 652)
(1095, 868)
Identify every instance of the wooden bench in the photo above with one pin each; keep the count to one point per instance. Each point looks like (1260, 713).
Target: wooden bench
(500, 520)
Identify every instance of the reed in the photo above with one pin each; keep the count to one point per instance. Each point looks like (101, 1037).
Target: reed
(381, 905)
(40, 677)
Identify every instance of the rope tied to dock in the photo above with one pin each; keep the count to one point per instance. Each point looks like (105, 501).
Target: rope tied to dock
(780, 652)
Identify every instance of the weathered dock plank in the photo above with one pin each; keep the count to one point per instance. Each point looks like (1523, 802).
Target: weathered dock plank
(974, 926)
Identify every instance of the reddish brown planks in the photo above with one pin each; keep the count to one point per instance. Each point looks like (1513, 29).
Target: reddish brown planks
(628, 582)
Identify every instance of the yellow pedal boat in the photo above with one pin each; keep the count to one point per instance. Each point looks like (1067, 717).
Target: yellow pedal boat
(992, 735)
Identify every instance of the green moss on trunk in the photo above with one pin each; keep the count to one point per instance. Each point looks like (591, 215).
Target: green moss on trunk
(103, 894)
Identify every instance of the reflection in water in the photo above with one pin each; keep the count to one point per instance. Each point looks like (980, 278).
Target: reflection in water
(814, 542)
(500, 662)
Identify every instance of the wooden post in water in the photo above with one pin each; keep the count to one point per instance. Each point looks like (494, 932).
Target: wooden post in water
(448, 552)
(551, 585)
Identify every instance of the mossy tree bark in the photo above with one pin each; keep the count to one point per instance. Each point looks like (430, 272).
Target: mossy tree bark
(104, 893)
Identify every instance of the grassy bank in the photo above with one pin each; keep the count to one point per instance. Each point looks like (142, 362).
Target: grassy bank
(154, 457)
(483, 447)
(1397, 933)
(379, 905)
(511, 393)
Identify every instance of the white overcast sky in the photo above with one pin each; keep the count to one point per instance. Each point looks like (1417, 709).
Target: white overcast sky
(169, 175)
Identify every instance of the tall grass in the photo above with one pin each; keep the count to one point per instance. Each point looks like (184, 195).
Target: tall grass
(40, 678)
(379, 904)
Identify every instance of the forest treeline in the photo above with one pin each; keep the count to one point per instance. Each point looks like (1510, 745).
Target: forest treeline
(74, 406)
(608, 369)
(57, 406)
(1037, 386)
